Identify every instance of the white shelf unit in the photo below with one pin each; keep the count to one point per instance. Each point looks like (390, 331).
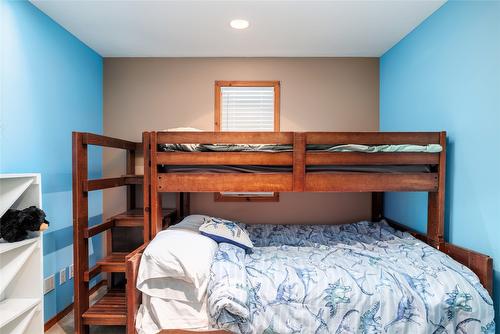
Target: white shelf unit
(21, 266)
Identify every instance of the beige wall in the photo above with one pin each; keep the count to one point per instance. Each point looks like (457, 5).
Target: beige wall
(317, 94)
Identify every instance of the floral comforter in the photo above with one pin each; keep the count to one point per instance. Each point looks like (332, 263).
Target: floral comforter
(356, 278)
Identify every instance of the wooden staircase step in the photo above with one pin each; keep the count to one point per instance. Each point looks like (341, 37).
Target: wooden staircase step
(111, 309)
(135, 217)
(113, 263)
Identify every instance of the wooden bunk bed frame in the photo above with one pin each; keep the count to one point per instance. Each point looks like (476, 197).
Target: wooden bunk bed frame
(298, 180)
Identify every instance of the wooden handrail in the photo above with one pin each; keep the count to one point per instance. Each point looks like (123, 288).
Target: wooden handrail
(100, 140)
(90, 232)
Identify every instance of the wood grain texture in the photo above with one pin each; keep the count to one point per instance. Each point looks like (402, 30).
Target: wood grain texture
(370, 182)
(436, 200)
(133, 295)
(146, 190)
(359, 158)
(299, 168)
(130, 167)
(218, 197)
(224, 137)
(225, 158)
(99, 140)
(111, 309)
(155, 197)
(373, 138)
(104, 311)
(480, 264)
(234, 182)
(105, 183)
(96, 229)
(80, 224)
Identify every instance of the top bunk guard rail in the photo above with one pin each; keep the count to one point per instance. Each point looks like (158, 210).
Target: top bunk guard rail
(373, 138)
(224, 137)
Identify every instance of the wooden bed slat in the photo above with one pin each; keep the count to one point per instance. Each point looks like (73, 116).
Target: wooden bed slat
(243, 182)
(225, 158)
(373, 138)
(368, 182)
(359, 158)
(224, 137)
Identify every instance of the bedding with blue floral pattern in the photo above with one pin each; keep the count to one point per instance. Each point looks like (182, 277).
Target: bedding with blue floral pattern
(357, 278)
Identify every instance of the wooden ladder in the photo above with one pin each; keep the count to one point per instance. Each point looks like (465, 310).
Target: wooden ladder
(111, 309)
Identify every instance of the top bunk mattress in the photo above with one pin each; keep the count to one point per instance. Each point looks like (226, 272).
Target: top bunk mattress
(270, 148)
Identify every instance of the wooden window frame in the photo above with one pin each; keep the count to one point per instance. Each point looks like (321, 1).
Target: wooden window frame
(219, 197)
(220, 84)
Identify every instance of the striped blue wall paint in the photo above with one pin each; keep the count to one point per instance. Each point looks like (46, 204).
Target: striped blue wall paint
(51, 85)
(445, 75)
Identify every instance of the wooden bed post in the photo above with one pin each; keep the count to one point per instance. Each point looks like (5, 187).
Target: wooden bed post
(377, 206)
(183, 204)
(299, 161)
(131, 188)
(146, 185)
(186, 204)
(155, 208)
(436, 201)
(80, 224)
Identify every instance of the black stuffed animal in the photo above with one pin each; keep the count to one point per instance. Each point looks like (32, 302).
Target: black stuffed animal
(15, 224)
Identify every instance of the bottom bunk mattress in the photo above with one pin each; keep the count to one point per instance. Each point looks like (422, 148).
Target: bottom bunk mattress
(355, 278)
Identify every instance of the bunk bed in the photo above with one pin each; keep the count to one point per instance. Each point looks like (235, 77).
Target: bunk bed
(295, 164)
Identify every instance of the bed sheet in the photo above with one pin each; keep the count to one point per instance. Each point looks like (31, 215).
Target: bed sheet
(218, 169)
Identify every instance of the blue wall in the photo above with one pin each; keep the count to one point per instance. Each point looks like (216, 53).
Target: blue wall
(445, 75)
(51, 85)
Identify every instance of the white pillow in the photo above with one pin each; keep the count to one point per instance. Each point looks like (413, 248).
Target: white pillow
(222, 230)
(176, 265)
(192, 223)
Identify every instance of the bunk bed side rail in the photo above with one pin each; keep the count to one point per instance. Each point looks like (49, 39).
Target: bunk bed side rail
(373, 138)
(224, 137)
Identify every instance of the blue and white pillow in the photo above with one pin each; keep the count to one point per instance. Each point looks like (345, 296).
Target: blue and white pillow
(222, 230)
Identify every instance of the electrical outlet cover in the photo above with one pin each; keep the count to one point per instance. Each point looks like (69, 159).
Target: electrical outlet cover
(48, 284)
(62, 276)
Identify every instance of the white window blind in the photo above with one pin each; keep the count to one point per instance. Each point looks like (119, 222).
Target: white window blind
(247, 108)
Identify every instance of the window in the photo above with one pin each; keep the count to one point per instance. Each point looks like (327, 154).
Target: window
(247, 106)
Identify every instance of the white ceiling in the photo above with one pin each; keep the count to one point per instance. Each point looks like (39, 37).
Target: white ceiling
(277, 28)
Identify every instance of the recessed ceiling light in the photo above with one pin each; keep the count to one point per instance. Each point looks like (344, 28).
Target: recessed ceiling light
(239, 24)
